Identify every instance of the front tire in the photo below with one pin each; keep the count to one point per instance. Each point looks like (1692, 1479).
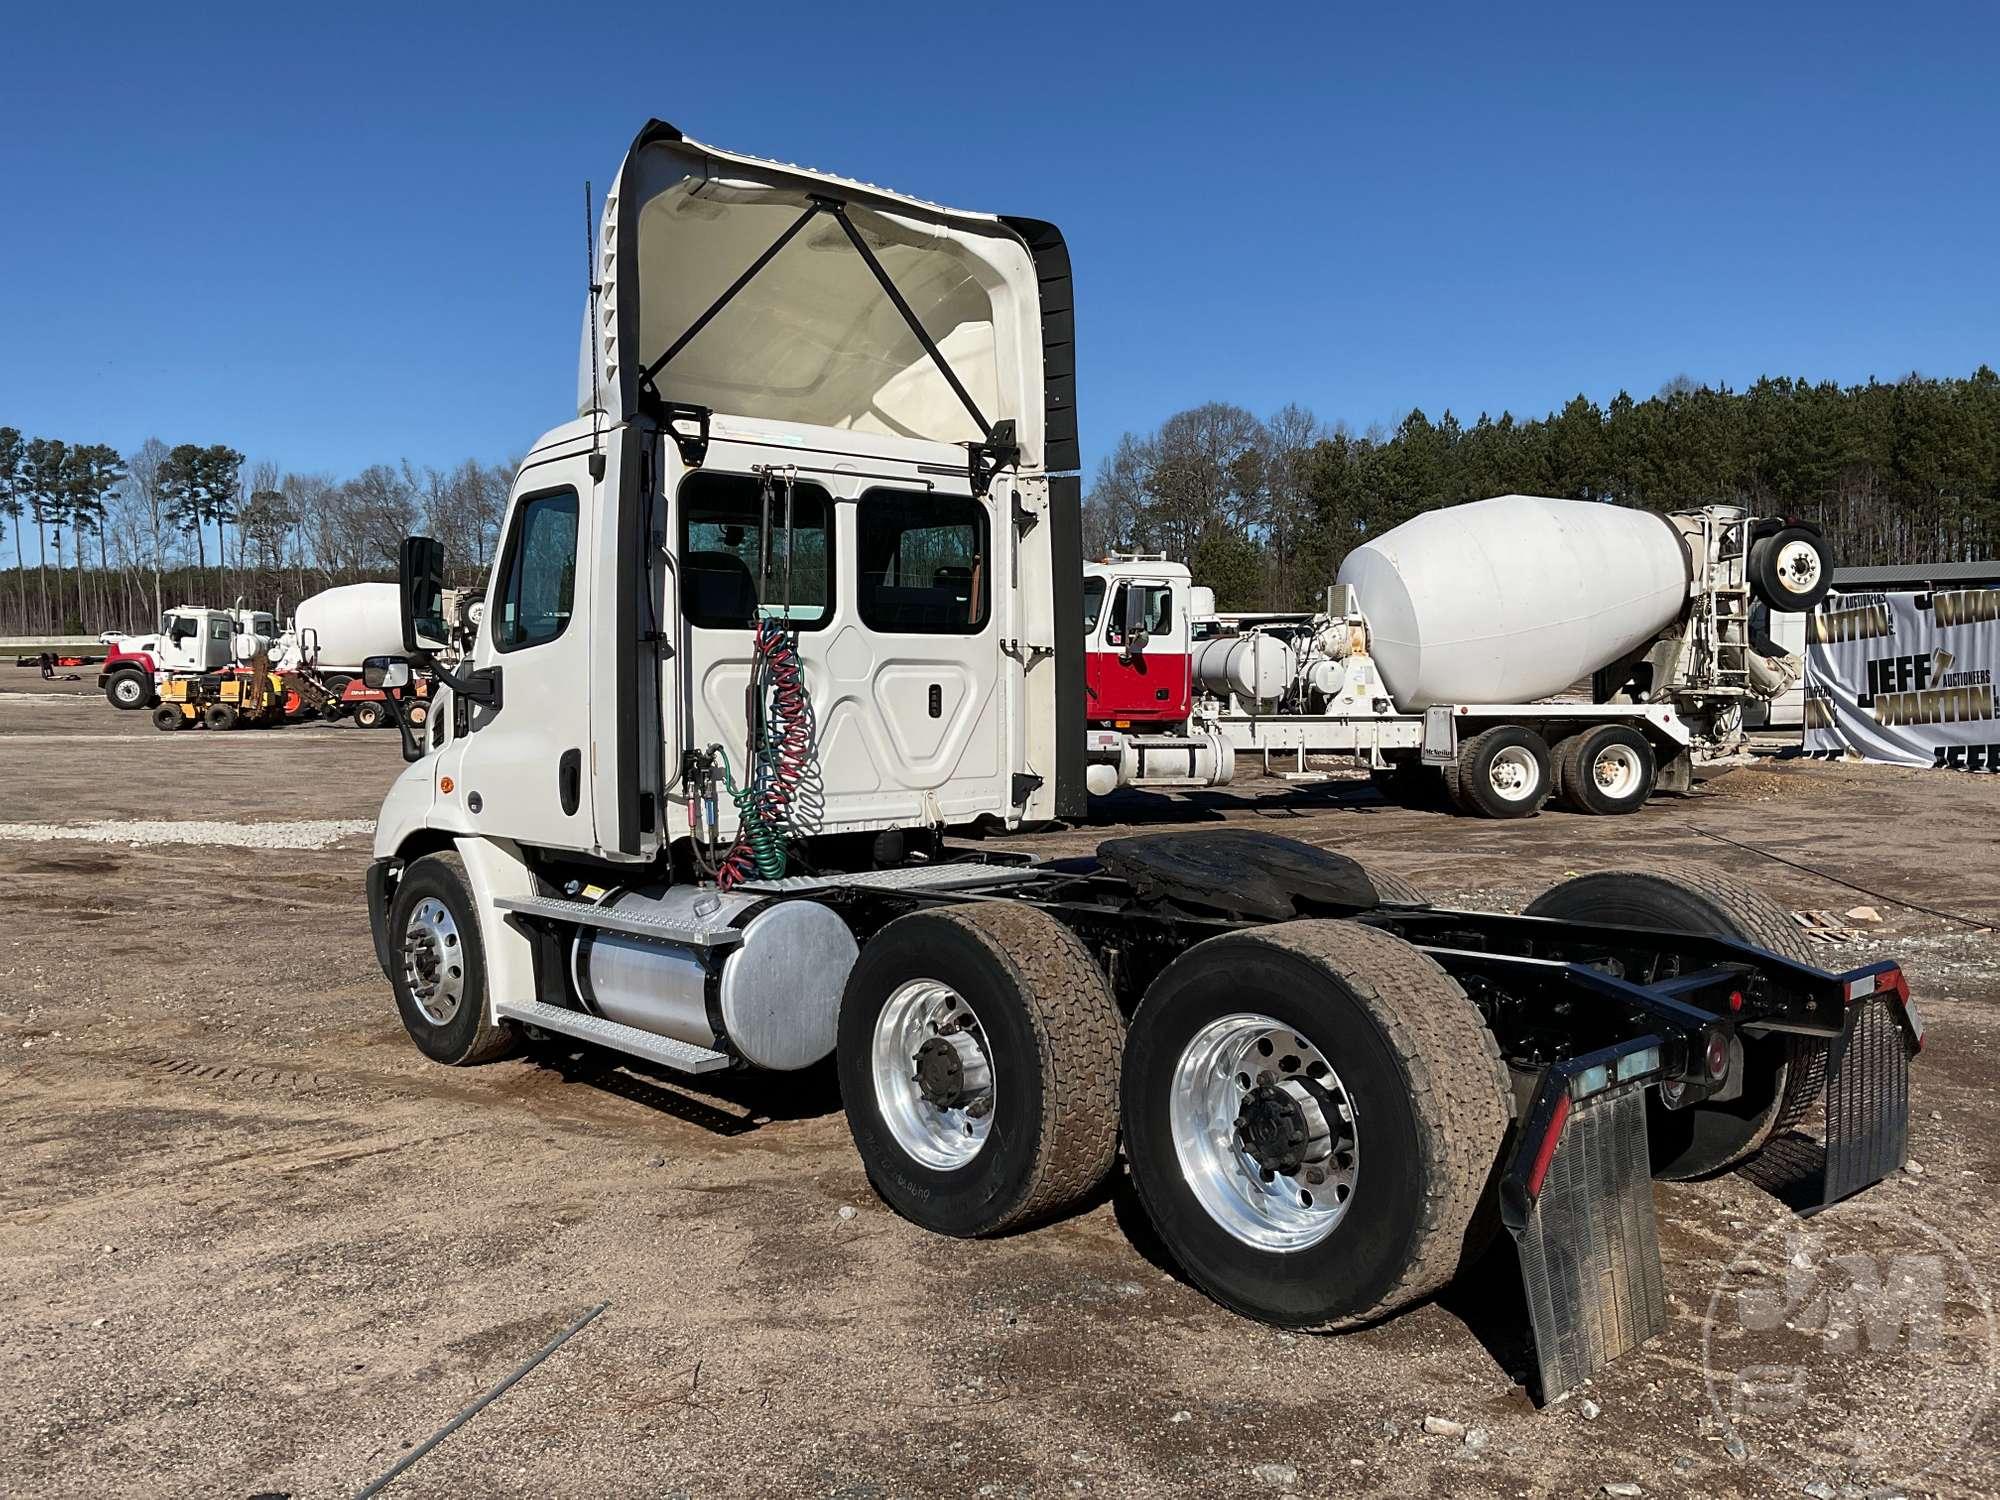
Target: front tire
(439, 965)
(129, 690)
(368, 715)
(168, 718)
(1783, 1074)
(978, 1064)
(1343, 1051)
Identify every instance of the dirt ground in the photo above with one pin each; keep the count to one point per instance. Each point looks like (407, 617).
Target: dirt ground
(251, 1244)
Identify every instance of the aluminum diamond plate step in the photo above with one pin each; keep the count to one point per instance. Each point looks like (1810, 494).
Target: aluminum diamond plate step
(638, 924)
(664, 1050)
(910, 878)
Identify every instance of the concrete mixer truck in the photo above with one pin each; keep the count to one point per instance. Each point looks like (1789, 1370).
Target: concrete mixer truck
(772, 616)
(1445, 655)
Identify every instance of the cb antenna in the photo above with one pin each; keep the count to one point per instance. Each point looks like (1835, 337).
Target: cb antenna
(591, 283)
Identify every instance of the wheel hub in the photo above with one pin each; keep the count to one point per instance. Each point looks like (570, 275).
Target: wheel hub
(933, 1074)
(952, 1071)
(1283, 1126)
(1265, 1131)
(433, 965)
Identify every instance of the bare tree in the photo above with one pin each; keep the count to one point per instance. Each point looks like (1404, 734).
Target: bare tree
(146, 516)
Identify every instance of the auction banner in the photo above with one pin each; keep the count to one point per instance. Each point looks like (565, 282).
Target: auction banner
(1905, 678)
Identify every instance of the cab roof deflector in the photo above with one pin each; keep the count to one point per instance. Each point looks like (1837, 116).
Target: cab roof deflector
(983, 459)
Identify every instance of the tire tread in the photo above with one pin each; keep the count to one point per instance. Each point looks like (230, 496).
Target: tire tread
(1079, 1035)
(1459, 1086)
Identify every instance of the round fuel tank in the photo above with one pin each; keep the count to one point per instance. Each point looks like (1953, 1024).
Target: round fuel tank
(781, 985)
(1256, 668)
(1515, 598)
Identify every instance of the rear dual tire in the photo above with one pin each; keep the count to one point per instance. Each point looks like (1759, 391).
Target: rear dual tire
(1783, 1074)
(978, 1064)
(1403, 1100)
(1604, 770)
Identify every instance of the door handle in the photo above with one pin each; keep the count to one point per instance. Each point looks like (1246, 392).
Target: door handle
(569, 781)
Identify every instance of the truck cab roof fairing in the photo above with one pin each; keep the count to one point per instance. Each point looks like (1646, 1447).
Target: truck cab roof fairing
(811, 337)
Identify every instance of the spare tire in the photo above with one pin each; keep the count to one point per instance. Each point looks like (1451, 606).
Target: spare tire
(1791, 570)
(1783, 1075)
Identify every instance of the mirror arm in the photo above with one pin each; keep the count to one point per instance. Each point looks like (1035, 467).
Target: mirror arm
(481, 686)
(413, 748)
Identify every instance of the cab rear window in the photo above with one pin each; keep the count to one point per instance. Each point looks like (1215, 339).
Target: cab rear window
(924, 566)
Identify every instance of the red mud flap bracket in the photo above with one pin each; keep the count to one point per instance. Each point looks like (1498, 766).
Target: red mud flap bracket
(1578, 1199)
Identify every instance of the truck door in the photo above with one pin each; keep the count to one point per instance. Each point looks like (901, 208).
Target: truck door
(522, 770)
(1140, 682)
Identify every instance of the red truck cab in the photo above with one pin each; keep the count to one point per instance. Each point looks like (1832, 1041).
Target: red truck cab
(1138, 662)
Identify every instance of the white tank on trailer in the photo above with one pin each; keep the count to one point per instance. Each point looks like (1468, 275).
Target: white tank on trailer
(349, 624)
(1254, 668)
(1514, 598)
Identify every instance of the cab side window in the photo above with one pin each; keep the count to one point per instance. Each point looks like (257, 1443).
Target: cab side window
(538, 578)
(1159, 607)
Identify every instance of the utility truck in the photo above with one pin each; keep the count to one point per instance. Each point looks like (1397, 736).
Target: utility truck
(1439, 659)
(796, 599)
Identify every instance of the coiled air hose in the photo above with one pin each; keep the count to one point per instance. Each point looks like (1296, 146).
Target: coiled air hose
(780, 756)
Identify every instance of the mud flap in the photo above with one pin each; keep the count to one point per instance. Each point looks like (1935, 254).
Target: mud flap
(1588, 1242)
(1867, 1101)
(1867, 1104)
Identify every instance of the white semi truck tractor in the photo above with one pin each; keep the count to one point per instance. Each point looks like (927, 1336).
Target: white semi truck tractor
(1444, 653)
(793, 600)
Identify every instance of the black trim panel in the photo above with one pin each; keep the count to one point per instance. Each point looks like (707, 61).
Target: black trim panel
(1060, 449)
(629, 578)
(1066, 564)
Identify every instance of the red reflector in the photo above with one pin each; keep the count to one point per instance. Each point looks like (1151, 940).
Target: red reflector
(1718, 1056)
(1736, 999)
(1547, 1151)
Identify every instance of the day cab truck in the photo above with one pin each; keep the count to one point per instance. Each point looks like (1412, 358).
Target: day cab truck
(794, 601)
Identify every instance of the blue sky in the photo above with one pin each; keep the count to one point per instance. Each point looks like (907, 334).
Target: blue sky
(350, 234)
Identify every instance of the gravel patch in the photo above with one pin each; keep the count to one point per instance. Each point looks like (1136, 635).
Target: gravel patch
(311, 833)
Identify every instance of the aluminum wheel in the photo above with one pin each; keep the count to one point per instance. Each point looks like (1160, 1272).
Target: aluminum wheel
(1265, 1132)
(1617, 771)
(1513, 773)
(933, 1074)
(433, 963)
(1798, 567)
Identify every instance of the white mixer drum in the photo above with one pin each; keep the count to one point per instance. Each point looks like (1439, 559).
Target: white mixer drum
(351, 623)
(1515, 598)
(1253, 668)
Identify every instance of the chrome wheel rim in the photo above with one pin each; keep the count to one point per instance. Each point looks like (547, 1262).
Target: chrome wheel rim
(1238, 1078)
(1798, 567)
(1617, 771)
(1512, 773)
(128, 689)
(933, 1072)
(434, 961)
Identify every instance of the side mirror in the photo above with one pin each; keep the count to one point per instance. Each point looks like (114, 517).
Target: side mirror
(421, 578)
(386, 674)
